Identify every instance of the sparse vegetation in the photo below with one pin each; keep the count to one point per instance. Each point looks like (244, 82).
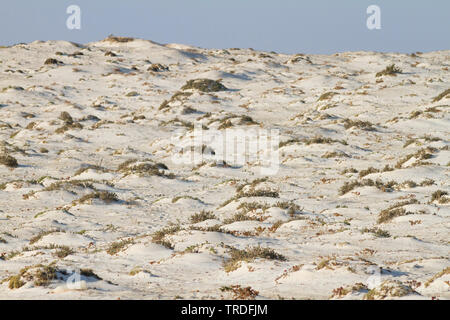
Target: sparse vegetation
(159, 236)
(326, 96)
(389, 288)
(202, 216)
(118, 246)
(106, 196)
(240, 293)
(64, 251)
(383, 186)
(377, 232)
(250, 254)
(8, 160)
(51, 61)
(204, 85)
(442, 95)
(440, 197)
(42, 234)
(437, 276)
(395, 210)
(391, 70)
(364, 125)
(157, 67)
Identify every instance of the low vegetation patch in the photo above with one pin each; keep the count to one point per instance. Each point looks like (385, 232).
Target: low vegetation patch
(250, 254)
(240, 293)
(41, 275)
(202, 216)
(326, 96)
(112, 38)
(389, 288)
(118, 246)
(440, 196)
(364, 125)
(422, 154)
(8, 160)
(442, 95)
(204, 85)
(383, 186)
(395, 210)
(106, 196)
(437, 276)
(377, 232)
(144, 168)
(390, 70)
(159, 236)
(42, 234)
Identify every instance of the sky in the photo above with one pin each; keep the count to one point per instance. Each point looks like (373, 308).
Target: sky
(287, 26)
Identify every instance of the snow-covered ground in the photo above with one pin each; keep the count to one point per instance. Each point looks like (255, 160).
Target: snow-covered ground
(79, 221)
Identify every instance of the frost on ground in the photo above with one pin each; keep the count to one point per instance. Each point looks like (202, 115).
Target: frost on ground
(92, 205)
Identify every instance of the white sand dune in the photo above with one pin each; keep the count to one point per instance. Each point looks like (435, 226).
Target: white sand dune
(158, 228)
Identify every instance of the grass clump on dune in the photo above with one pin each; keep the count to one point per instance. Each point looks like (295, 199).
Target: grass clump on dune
(442, 95)
(240, 293)
(350, 185)
(9, 161)
(41, 275)
(112, 38)
(437, 276)
(52, 61)
(202, 216)
(204, 85)
(439, 196)
(394, 211)
(159, 236)
(390, 70)
(250, 254)
(134, 166)
(364, 125)
(158, 67)
(118, 246)
(106, 196)
(42, 234)
(326, 96)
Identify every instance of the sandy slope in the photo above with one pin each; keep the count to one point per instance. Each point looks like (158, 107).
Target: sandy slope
(330, 240)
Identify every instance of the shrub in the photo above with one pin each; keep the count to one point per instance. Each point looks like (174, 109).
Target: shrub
(106, 196)
(439, 196)
(158, 236)
(395, 210)
(66, 117)
(8, 161)
(112, 38)
(364, 125)
(367, 171)
(442, 95)
(204, 85)
(42, 234)
(118, 246)
(52, 61)
(157, 67)
(326, 96)
(63, 252)
(240, 293)
(377, 232)
(390, 70)
(202, 216)
(15, 282)
(250, 254)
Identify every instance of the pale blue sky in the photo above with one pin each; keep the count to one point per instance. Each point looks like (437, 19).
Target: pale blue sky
(289, 26)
